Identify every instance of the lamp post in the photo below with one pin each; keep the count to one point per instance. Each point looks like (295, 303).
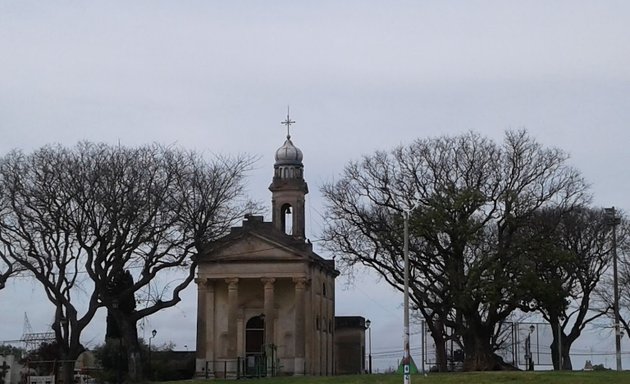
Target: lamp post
(613, 220)
(367, 325)
(153, 333)
(528, 349)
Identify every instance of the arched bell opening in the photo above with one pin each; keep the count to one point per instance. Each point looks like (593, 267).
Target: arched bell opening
(286, 217)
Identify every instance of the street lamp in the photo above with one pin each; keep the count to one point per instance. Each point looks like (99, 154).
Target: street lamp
(153, 333)
(613, 220)
(367, 325)
(528, 349)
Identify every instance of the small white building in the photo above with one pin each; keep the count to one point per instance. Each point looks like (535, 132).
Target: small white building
(41, 379)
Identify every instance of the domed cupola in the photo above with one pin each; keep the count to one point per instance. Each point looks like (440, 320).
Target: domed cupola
(288, 188)
(288, 154)
(288, 165)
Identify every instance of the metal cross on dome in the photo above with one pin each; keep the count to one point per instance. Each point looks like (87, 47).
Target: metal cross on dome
(288, 123)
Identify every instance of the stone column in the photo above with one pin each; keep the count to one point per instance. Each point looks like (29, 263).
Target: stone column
(232, 317)
(210, 336)
(268, 310)
(299, 334)
(331, 329)
(269, 322)
(200, 357)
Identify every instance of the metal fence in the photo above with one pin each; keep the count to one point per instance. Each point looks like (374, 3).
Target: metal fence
(522, 344)
(251, 366)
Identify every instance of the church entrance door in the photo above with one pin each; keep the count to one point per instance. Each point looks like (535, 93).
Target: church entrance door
(255, 361)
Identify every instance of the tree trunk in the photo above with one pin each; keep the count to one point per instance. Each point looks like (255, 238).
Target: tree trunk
(566, 355)
(68, 348)
(134, 364)
(68, 372)
(440, 354)
(67, 366)
(478, 352)
(478, 356)
(480, 361)
(566, 360)
(437, 334)
(129, 333)
(134, 355)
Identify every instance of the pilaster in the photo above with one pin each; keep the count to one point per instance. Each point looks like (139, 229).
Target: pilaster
(232, 317)
(200, 356)
(269, 299)
(300, 287)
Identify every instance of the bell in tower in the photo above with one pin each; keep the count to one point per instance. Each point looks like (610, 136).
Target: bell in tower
(288, 188)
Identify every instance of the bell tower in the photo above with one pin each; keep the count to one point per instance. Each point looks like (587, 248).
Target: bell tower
(288, 188)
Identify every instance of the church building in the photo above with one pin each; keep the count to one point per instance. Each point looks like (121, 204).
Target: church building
(266, 301)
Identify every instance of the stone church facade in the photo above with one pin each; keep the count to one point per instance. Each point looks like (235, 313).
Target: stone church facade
(266, 301)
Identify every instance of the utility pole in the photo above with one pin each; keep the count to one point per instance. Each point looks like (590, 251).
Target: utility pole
(560, 320)
(407, 355)
(613, 221)
(424, 335)
(367, 325)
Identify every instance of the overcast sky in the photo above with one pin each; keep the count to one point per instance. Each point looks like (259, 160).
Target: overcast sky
(359, 76)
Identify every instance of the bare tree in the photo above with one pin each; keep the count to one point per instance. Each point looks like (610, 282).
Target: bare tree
(623, 254)
(566, 256)
(7, 269)
(80, 218)
(468, 199)
(605, 292)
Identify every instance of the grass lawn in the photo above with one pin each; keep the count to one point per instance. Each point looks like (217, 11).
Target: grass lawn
(606, 377)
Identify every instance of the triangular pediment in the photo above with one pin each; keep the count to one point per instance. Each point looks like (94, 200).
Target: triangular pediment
(253, 255)
(256, 247)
